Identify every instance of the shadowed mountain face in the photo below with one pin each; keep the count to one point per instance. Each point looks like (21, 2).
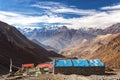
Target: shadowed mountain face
(17, 47)
(44, 46)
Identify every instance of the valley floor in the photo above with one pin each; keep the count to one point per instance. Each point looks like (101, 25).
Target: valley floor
(107, 76)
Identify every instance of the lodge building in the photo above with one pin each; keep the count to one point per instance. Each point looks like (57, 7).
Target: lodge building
(74, 66)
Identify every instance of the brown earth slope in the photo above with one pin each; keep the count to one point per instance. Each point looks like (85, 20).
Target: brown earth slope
(109, 53)
(89, 47)
(17, 47)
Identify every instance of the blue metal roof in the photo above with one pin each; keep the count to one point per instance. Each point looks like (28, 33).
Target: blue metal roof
(63, 63)
(95, 62)
(91, 63)
(78, 63)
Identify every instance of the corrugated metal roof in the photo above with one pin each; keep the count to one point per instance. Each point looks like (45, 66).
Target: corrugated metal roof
(63, 63)
(28, 65)
(44, 65)
(78, 63)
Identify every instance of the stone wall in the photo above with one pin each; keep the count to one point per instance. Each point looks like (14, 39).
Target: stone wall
(79, 70)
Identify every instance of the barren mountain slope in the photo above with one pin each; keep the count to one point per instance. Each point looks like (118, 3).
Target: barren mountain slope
(88, 47)
(109, 53)
(15, 46)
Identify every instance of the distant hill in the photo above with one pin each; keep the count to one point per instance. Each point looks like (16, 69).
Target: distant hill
(44, 46)
(113, 29)
(15, 46)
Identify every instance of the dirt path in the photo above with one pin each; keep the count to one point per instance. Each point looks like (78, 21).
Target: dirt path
(84, 78)
(75, 77)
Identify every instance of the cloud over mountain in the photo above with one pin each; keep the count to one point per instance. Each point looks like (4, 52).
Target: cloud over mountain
(59, 13)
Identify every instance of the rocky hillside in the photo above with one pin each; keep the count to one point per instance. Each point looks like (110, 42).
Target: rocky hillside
(88, 47)
(109, 53)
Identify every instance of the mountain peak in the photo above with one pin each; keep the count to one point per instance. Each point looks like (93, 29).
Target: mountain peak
(63, 28)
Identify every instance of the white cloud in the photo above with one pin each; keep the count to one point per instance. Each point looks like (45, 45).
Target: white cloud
(14, 18)
(74, 11)
(111, 7)
(48, 5)
(41, 6)
(100, 20)
(9, 14)
(91, 18)
(55, 7)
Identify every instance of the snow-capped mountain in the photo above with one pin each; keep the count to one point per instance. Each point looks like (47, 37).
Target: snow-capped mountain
(27, 31)
(57, 37)
(60, 37)
(42, 31)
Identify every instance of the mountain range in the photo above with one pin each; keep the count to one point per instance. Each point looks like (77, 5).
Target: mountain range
(57, 37)
(61, 37)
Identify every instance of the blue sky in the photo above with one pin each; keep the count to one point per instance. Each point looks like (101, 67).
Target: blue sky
(72, 13)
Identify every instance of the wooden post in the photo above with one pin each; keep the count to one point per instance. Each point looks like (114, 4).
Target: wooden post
(53, 66)
(10, 66)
